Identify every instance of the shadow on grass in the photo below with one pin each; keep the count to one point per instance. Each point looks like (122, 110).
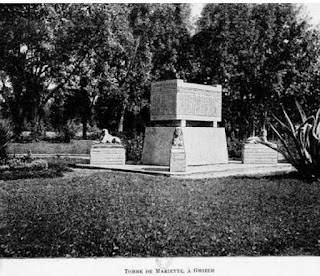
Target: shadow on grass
(287, 176)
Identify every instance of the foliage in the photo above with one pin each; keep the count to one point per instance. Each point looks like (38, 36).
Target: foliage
(66, 50)
(170, 36)
(132, 215)
(26, 57)
(25, 164)
(129, 69)
(93, 63)
(134, 147)
(94, 133)
(68, 57)
(39, 164)
(116, 67)
(301, 142)
(5, 137)
(260, 53)
(24, 168)
(68, 131)
(89, 38)
(235, 146)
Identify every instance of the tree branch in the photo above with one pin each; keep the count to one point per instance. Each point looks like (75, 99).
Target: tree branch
(51, 92)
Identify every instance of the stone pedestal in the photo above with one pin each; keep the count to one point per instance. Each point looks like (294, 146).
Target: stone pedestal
(202, 146)
(178, 160)
(258, 154)
(107, 154)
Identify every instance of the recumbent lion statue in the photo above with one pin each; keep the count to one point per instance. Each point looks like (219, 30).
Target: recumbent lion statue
(108, 138)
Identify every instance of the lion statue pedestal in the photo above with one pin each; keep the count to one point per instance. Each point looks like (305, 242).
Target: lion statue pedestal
(256, 152)
(109, 151)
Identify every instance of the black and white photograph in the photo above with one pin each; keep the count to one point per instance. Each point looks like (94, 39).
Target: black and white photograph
(159, 138)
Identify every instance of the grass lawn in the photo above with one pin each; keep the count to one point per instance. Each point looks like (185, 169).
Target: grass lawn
(120, 214)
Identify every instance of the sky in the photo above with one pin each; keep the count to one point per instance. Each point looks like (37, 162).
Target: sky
(312, 8)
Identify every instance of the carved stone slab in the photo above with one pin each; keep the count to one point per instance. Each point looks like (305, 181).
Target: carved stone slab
(105, 154)
(178, 100)
(258, 154)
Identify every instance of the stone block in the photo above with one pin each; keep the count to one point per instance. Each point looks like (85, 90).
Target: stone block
(258, 154)
(107, 154)
(203, 146)
(178, 160)
(179, 100)
(157, 145)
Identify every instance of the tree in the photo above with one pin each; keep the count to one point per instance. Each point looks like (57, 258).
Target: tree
(58, 54)
(84, 39)
(25, 42)
(127, 67)
(35, 54)
(171, 28)
(44, 48)
(261, 54)
(167, 28)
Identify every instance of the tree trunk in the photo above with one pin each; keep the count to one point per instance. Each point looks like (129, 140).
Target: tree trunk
(36, 122)
(16, 110)
(17, 120)
(121, 122)
(84, 128)
(36, 127)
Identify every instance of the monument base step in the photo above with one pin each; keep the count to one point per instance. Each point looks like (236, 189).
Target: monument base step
(234, 168)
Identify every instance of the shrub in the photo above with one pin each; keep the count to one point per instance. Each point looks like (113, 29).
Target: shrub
(39, 164)
(300, 143)
(5, 137)
(68, 131)
(14, 163)
(234, 147)
(19, 168)
(134, 148)
(94, 133)
(24, 164)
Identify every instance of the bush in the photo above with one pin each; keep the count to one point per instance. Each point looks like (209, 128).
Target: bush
(24, 164)
(94, 133)
(300, 143)
(68, 132)
(39, 164)
(19, 168)
(234, 147)
(5, 137)
(14, 163)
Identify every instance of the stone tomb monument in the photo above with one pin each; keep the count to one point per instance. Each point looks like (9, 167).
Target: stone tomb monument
(185, 131)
